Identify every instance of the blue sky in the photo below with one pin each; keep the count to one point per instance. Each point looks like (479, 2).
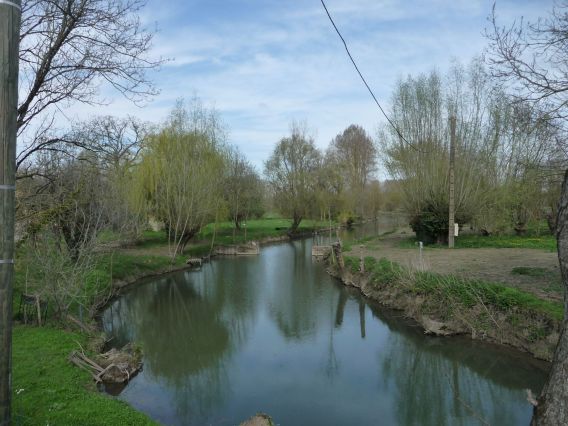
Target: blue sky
(265, 63)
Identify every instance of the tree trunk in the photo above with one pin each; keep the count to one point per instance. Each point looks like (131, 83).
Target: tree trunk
(551, 221)
(552, 408)
(295, 223)
(184, 240)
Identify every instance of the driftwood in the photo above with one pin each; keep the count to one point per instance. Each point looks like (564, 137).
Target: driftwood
(321, 252)
(114, 366)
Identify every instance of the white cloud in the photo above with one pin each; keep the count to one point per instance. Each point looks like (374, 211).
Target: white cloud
(284, 62)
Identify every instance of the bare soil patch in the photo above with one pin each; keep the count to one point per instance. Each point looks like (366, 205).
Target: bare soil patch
(488, 264)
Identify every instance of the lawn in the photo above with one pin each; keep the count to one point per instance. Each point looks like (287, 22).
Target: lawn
(49, 390)
(541, 242)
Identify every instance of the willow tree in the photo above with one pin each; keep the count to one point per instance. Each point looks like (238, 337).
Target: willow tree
(291, 172)
(180, 176)
(421, 107)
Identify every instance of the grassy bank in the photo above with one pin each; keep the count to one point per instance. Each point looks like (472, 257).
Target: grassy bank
(485, 310)
(48, 390)
(225, 233)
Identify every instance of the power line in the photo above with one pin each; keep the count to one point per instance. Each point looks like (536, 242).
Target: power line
(365, 81)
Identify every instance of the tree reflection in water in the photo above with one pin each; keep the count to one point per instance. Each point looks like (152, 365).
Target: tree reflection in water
(187, 330)
(275, 333)
(437, 381)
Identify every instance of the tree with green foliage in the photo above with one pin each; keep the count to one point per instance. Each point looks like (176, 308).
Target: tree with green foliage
(355, 155)
(500, 149)
(421, 107)
(180, 178)
(291, 173)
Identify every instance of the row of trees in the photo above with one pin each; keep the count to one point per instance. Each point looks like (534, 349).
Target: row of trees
(509, 156)
(337, 183)
(111, 177)
(107, 178)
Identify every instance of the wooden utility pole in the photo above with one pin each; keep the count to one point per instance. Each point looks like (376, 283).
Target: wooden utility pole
(10, 14)
(451, 203)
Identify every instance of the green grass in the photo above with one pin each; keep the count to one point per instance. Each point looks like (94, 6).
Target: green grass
(452, 290)
(551, 278)
(365, 241)
(530, 271)
(542, 242)
(120, 266)
(49, 390)
(226, 234)
(152, 239)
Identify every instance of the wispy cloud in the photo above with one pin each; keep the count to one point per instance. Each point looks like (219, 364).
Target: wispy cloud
(263, 64)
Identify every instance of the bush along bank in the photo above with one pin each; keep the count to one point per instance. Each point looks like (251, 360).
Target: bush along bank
(446, 305)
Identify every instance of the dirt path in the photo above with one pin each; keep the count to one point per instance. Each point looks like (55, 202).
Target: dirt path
(488, 264)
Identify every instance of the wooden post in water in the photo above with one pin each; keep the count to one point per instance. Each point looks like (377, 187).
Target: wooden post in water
(451, 203)
(10, 13)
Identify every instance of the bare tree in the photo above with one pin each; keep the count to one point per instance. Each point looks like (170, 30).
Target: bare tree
(113, 144)
(68, 49)
(532, 60)
(116, 141)
(291, 172)
(67, 198)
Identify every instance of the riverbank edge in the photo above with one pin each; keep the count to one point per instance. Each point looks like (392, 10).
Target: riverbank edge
(120, 286)
(513, 336)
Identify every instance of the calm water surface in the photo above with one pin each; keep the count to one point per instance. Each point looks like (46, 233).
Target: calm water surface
(274, 333)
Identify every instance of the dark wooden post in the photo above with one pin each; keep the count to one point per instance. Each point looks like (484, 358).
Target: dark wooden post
(10, 11)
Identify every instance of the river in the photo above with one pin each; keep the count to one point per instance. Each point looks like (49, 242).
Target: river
(275, 333)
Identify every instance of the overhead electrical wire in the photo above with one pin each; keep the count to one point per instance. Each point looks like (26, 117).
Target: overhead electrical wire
(365, 81)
